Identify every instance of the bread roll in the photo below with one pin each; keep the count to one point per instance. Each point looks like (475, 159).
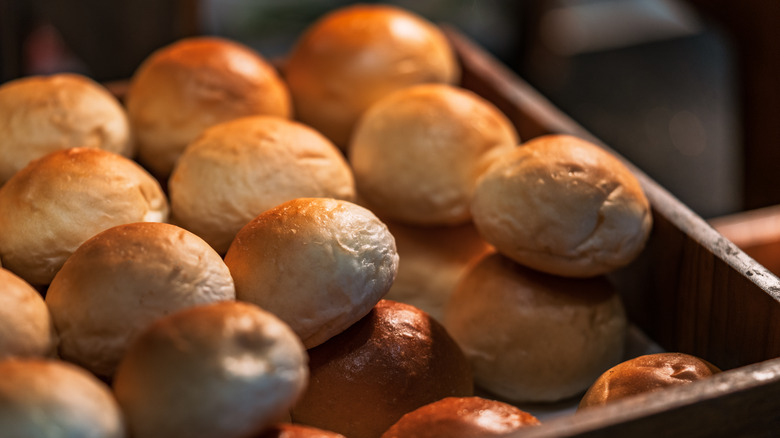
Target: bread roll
(417, 153)
(48, 398)
(357, 54)
(238, 169)
(644, 374)
(194, 83)
(26, 329)
(58, 201)
(224, 370)
(319, 264)
(297, 431)
(462, 417)
(394, 360)
(433, 260)
(534, 337)
(564, 206)
(42, 114)
(122, 280)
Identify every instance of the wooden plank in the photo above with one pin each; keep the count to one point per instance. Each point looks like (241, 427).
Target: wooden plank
(737, 403)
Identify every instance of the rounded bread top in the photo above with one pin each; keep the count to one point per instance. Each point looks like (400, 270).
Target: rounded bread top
(355, 55)
(185, 87)
(42, 114)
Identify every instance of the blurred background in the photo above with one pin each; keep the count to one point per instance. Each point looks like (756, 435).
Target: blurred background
(688, 90)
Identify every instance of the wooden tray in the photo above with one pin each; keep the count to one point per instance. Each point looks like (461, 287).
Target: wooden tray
(692, 290)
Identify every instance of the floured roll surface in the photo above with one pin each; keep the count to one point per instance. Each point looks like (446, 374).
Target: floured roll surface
(57, 202)
(462, 417)
(356, 55)
(319, 264)
(394, 360)
(647, 373)
(238, 169)
(225, 370)
(26, 328)
(564, 206)
(42, 114)
(42, 398)
(534, 337)
(185, 87)
(122, 280)
(417, 154)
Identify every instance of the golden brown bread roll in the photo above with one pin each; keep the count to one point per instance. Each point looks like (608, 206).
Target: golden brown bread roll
(227, 369)
(26, 328)
(534, 337)
(194, 83)
(46, 398)
(394, 360)
(564, 206)
(58, 201)
(42, 114)
(238, 169)
(357, 54)
(417, 153)
(462, 417)
(287, 430)
(123, 279)
(319, 264)
(646, 373)
(433, 260)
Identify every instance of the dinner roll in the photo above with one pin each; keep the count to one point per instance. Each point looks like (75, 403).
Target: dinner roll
(432, 261)
(462, 417)
(194, 83)
(57, 202)
(646, 373)
(223, 370)
(564, 206)
(534, 337)
(319, 264)
(288, 430)
(357, 54)
(51, 398)
(238, 169)
(42, 114)
(394, 360)
(123, 279)
(26, 329)
(417, 153)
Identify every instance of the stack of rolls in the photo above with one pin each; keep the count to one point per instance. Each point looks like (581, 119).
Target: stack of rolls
(354, 272)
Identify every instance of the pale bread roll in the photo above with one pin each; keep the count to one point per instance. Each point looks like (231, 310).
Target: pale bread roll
(394, 360)
(462, 417)
(563, 205)
(534, 337)
(26, 328)
(189, 85)
(50, 398)
(433, 259)
(58, 201)
(42, 114)
(354, 56)
(319, 264)
(125, 278)
(238, 169)
(224, 370)
(417, 154)
(648, 373)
